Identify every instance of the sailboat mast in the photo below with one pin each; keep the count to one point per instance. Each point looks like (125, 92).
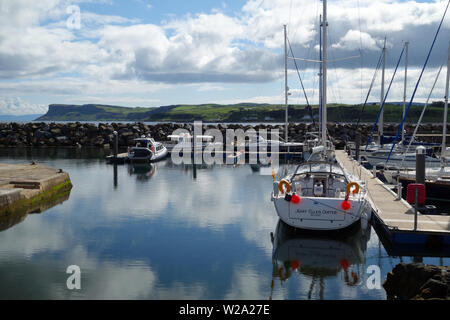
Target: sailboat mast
(381, 124)
(404, 88)
(324, 74)
(444, 127)
(286, 89)
(320, 77)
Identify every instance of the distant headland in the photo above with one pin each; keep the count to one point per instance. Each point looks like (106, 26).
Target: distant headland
(242, 112)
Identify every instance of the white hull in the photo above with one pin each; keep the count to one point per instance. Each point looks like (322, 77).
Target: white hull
(317, 213)
(441, 175)
(160, 155)
(153, 157)
(396, 160)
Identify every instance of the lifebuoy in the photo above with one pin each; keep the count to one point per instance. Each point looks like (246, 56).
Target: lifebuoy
(349, 187)
(285, 183)
(347, 278)
(286, 274)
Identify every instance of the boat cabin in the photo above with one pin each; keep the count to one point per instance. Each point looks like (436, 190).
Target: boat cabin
(319, 179)
(148, 143)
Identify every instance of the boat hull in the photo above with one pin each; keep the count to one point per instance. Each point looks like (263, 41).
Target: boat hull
(160, 155)
(322, 214)
(399, 162)
(149, 156)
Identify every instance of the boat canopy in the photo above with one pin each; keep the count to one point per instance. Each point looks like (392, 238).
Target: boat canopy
(320, 167)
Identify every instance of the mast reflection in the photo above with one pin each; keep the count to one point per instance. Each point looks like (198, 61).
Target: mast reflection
(318, 257)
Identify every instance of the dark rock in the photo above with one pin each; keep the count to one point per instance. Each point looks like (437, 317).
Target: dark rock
(88, 134)
(433, 289)
(55, 131)
(416, 281)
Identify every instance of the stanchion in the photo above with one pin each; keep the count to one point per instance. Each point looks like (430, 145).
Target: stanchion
(357, 146)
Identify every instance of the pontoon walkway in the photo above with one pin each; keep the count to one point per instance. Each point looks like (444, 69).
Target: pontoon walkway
(395, 218)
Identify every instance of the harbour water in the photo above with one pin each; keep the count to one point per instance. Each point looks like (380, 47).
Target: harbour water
(161, 233)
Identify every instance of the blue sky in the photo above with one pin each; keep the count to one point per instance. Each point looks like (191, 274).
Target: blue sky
(157, 11)
(153, 53)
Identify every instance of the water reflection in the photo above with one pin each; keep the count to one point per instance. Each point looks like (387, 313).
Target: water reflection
(319, 257)
(171, 237)
(142, 171)
(56, 153)
(16, 215)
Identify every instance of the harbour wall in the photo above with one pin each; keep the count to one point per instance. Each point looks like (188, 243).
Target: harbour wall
(42, 134)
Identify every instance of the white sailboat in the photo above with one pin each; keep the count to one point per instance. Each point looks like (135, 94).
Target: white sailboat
(320, 194)
(400, 159)
(375, 153)
(365, 151)
(437, 178)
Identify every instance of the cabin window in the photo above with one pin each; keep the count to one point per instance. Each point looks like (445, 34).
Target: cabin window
(319, 187)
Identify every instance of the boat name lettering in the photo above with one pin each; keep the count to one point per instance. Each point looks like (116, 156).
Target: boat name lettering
(315, 212)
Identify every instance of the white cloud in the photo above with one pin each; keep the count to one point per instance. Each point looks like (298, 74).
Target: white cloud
(16, 106)
(37, 47)
(353, 40)
(210, 87)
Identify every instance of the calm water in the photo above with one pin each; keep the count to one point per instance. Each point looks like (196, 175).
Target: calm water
(161, 234)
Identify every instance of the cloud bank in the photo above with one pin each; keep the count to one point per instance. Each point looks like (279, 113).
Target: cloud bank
(40, 53)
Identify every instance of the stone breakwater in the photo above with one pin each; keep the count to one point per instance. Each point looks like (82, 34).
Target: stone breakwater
(418, 281)
(40, 134)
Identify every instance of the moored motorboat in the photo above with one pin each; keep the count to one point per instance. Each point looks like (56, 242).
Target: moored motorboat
(147, 150)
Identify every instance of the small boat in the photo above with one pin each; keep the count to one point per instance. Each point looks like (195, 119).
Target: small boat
(259, 143)
(184, 141)
(147, 150)
(399, 160)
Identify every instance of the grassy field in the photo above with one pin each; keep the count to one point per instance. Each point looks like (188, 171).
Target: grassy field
(243, 112)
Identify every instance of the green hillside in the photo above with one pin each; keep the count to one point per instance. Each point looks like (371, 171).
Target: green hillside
(242, 112)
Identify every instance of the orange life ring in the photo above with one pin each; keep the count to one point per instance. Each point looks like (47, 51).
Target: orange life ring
(347, 280)
(349, 187)
(285, 183)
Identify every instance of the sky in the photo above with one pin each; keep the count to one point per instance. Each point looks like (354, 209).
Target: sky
(152, 53)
